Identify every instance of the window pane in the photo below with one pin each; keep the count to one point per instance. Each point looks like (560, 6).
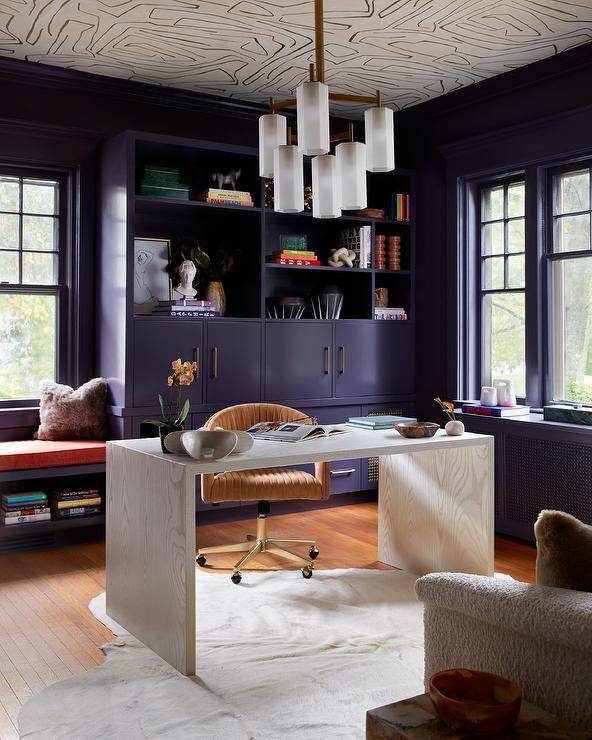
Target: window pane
(9, 231)
(573, 233)
(516, 199)
(27, 343)
(572, 311)
(493, 203)
(516, 235)
(493, 273)
(39, 196)
(516, 271)
(505, 339)
(39, 268)
(39, 232)
(573, 192)
(9, 267)
(9, 194)
(492, 239)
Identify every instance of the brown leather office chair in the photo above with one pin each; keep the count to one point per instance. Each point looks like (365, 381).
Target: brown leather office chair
(263, 486)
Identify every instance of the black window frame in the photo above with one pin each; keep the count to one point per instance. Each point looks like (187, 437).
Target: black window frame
(66, 270)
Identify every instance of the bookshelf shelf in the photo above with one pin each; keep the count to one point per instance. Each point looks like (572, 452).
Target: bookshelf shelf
(320, 268)
(148, 201)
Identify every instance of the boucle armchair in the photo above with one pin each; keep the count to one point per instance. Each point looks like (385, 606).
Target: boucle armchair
(263, 486)
(538, 636)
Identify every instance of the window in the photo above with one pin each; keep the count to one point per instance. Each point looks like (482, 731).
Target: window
(502, 283)
(31, 288)
(570, 261)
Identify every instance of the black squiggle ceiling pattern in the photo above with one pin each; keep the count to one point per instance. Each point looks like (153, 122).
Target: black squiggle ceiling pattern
(412, 50)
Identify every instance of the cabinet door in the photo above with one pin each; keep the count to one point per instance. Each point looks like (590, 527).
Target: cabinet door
(373, 358)
(298, 360)
(157, 342)
(232, 367)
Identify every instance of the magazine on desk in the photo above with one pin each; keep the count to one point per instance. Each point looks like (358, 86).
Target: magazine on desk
(281, 431)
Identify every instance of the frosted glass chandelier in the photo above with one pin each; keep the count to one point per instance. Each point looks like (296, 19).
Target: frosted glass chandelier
(339, 180)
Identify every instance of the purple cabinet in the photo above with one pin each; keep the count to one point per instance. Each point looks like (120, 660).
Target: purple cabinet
(298, 359)
(232, 363)
(157, 342)
(373, 358)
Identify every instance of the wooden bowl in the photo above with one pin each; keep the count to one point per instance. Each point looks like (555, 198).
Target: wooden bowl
(369, 213)
(475, 702)
(417, 429)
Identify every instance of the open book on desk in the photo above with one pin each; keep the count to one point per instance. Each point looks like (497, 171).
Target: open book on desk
(281, 431)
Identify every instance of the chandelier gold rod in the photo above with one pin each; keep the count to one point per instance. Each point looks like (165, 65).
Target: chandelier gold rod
(319, 41)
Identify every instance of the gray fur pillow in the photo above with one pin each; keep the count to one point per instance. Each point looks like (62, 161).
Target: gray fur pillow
(73, 414)
(564, 551)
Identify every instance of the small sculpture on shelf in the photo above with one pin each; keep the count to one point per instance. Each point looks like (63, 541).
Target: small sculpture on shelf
(186, 271)
(229, 179)
(341, 257)
(189, 250)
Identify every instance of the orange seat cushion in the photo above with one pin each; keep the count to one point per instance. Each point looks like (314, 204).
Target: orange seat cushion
(35, 453)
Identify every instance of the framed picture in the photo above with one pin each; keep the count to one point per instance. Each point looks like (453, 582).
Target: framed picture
(151, 279)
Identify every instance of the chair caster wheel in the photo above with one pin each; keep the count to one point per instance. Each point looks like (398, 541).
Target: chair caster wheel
(236, 577)
(307, 572)
(313, 553)
(201, 560)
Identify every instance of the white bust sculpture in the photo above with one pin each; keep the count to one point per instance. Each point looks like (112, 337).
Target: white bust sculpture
(186, 271)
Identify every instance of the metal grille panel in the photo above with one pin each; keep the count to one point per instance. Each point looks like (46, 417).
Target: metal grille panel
(543, 474)
(373, 461)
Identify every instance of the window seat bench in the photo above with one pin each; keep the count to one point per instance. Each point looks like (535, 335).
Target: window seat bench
(25, 461)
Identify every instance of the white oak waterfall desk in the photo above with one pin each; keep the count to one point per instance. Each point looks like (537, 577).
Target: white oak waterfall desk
(435, 513)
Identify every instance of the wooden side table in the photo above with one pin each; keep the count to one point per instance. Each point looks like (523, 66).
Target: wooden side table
(415, 719)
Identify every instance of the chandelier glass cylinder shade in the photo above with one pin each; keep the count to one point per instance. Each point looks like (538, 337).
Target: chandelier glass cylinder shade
(351, 175)
(380, 139)
(288, 183)
(325, 187)
(312, 111)
(272, 133)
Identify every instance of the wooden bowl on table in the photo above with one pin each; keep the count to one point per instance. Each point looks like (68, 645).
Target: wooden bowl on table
(417, 429)
(475, 702)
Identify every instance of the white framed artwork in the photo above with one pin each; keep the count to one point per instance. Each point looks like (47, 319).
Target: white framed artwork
(151, 279)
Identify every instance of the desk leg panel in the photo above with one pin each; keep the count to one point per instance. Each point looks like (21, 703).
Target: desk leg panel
(151, 553)
(435, 510)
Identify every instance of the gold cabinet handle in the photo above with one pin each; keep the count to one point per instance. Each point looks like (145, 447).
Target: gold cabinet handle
(342, 360)
(327, 369)
(345, 471)
(215, 365)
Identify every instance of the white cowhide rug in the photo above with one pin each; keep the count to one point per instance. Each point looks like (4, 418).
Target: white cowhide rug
(280, 658)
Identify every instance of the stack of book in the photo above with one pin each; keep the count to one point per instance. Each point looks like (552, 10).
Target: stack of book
(378, 422)
(474, 407)
(389, 314)
(67, 503)
(358, 240)
(294, 257)
(184, 308)
(20, 508)
(226, 197)
(163, 182)
(400, 207)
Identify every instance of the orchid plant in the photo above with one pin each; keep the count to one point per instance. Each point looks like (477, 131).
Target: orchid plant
(175, 411)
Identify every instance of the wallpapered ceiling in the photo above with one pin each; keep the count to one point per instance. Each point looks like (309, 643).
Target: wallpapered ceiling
(249, 49)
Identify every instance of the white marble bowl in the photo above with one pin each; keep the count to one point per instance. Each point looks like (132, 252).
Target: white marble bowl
(244, 443)
(173, 443)
(203, 444)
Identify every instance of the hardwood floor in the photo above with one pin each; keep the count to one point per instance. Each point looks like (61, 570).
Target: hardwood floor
(47, 632)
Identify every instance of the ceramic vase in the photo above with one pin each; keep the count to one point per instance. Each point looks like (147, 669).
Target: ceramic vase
(215, 293)
(164, 430)
(455, 428)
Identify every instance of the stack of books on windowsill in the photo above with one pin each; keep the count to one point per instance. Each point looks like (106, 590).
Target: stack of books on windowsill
(390, 314)
(219, 196)
(300, 257)
(474, 407)
(22, 508)
(67, 503)
(378, 422)
(192, 308)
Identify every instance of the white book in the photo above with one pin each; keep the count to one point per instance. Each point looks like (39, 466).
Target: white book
(27, 518)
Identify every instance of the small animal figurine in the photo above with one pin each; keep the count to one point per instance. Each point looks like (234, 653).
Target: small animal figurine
(341, 257)
(229, 179)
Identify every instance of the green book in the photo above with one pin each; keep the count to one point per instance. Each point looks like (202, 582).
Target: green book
(14, 498)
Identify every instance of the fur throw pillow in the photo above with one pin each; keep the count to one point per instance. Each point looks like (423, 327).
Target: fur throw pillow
(564, 551)
(73, 414)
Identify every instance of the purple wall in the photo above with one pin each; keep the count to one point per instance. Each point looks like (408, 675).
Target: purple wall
(534, 113)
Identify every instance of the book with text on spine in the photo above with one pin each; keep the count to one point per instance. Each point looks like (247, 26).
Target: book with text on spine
(497, 411)
(27, 518)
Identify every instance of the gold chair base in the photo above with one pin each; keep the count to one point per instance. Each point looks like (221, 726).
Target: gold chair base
(260, 542)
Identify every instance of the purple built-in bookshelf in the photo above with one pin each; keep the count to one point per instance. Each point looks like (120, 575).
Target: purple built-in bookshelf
(330, 368)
